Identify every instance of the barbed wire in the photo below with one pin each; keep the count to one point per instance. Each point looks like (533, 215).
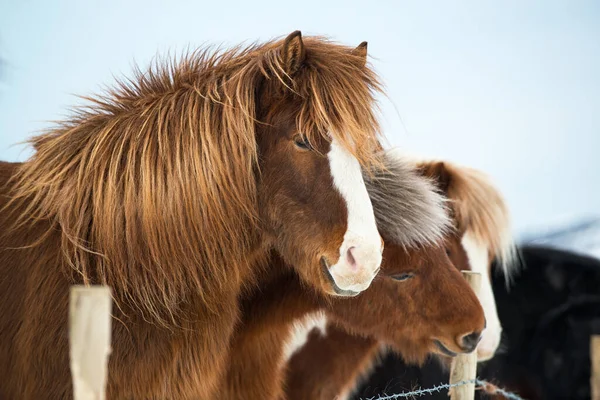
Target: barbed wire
(487, 386)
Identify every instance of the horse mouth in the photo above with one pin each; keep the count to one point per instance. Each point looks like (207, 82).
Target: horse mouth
(337, 290)
(443, 349)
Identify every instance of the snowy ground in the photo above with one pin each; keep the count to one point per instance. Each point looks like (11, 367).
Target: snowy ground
(581, 236)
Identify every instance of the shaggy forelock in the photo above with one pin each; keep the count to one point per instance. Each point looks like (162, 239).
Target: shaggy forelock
(409, 209)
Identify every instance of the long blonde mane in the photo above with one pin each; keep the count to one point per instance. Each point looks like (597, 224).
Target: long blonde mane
(477, 206)
(481, 210)
(152, 186)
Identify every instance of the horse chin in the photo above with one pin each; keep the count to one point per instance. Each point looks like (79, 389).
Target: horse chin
(413, 352)
(334, 289)
(442, 350)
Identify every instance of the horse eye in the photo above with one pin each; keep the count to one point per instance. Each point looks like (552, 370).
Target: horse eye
(448, 252)
(402, 277)
(302, 142)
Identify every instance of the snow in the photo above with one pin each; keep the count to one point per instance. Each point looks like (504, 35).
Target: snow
(582, 236)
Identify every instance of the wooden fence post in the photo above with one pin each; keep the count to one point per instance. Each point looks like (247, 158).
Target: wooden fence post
(89, 339)
(464, 366)
(595, 370)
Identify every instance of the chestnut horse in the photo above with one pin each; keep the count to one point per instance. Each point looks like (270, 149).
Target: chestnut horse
(435, 312)
(173, 189)
(482, 219)
(331, 365)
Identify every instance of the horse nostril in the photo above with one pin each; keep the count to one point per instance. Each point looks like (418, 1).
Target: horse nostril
(470, 341)
(350, 257)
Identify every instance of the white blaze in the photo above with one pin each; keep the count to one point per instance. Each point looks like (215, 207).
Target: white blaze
(362, 234)
(479, 260)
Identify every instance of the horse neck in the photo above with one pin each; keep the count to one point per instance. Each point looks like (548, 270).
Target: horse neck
(39, 239)
(330, 366)
(258, 347)
(278, 299)
(23, 235)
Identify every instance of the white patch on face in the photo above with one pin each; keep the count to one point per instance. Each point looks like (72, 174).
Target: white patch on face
(360, 253)
(299, 333)
(479, 261)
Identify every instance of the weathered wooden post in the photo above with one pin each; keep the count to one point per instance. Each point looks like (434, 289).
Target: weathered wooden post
(595, 360)
(464, 366)
(89, 338)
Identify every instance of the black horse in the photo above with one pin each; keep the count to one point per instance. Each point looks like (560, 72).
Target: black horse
(548, 315)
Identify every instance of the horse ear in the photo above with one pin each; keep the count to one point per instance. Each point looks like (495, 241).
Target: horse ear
(293, 52)
(439, 173)
(361, 52)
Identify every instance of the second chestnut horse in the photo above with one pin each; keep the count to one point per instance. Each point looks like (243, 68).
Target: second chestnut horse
(330, 366)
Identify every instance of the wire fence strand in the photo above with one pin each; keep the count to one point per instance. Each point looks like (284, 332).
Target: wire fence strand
(489, 387)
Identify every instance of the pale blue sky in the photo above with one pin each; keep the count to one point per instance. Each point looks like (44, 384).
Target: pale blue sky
(509, 87)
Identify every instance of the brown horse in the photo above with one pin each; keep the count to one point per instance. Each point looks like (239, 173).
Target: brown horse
(483, 220)
(330, 366)
(173, 189)
(419, 303)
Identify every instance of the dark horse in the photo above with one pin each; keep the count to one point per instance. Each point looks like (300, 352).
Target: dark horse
(173, 189)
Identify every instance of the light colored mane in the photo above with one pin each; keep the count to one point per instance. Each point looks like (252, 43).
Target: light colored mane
(152, 186)
(480, 209)
(408, 208)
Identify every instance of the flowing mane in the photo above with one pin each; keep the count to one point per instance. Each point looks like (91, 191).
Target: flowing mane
(481, 210)
(150, 185)
(477, 206)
